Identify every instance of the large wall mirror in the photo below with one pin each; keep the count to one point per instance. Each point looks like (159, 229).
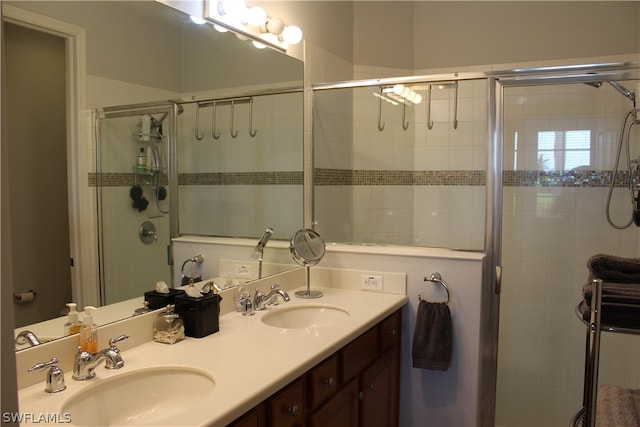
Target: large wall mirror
(230, 119)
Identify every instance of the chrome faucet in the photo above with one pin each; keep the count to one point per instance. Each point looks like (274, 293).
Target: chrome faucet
(85, 362)
(260, 300)
(27, 337)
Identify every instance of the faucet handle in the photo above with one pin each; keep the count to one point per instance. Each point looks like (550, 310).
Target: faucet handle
(113, 341)
(112, 346)
(55, 376)
(274, 301)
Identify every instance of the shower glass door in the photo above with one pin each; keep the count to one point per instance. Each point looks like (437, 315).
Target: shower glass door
(560, 144)
(133, 207)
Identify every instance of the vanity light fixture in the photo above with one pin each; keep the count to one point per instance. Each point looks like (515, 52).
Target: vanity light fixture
(403, 94)
(252, 23)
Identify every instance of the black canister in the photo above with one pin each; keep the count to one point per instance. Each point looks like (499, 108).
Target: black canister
(158, 300)
(200, 315)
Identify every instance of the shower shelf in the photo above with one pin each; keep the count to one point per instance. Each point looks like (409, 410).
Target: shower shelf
(627, 314)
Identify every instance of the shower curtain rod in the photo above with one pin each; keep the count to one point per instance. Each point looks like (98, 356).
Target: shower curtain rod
(581, 73)
(161, 106)
(245, 97)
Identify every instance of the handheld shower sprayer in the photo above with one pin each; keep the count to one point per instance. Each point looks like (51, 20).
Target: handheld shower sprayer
(259, 250)
(264, 239)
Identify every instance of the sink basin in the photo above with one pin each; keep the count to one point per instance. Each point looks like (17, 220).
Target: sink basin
(142, 397)
(305, 316)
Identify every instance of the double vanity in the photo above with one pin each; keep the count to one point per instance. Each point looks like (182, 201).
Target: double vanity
(301, 362)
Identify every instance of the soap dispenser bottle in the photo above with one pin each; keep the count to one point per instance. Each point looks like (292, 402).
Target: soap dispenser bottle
(89, 331)
(73, 324)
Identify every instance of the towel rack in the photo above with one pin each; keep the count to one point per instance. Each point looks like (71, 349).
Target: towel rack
(436, 278)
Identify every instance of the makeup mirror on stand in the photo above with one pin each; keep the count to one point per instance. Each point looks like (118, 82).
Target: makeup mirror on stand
(307, 249)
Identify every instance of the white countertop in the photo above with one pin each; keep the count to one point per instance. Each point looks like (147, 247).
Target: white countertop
(248, 359)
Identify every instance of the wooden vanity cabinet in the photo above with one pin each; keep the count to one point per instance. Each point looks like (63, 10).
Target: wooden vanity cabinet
(255, 417)
(342, 410)
(358, 386)
(286, 408)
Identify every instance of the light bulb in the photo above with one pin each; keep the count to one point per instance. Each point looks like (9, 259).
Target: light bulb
(271, 38)
(398, 89)
(292, 34)
(259, 45)
(232, 8)
(197, 20)
(418, 99)
(256, 16)
(275, 26)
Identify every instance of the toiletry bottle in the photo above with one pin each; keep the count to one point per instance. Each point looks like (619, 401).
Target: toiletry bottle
(89, 331)
(73, 324)
(142, 161)
(168, 327)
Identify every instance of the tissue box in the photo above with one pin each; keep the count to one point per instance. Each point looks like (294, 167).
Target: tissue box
(158, 300)
(200, 315)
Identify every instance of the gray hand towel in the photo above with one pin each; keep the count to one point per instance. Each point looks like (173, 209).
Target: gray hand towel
(610, 268)
(433, 337)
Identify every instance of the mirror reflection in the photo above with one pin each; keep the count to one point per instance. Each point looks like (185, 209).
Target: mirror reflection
(219, 109)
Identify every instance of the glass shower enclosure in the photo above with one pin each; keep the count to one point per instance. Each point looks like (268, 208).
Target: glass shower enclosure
(134, 201)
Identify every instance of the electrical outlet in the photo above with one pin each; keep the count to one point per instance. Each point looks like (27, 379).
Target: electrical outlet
(243, 270)
(371, 283)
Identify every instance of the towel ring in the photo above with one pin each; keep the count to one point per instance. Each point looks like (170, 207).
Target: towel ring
(436, 278)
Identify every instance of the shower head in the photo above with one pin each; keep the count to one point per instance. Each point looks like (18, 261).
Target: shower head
(264, 239)
(623, 90)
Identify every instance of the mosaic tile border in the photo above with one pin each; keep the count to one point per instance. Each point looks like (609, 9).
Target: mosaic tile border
(326, 177)
(231, 178)
(573, 178)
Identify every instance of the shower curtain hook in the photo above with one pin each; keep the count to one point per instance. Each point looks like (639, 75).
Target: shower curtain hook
(252, 132)
(380, 124)
(214, 134)
(198, 137)
(429, 121)
(233, 104)
(405, 123)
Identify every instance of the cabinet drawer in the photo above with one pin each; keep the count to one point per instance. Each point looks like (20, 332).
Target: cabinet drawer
(358, 354)
(323, 381)
(342, 410)
(390, 331)
(286, 408)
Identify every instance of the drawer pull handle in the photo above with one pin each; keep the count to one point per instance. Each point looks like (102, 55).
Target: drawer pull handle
(370, 386)
(359, 395)
(393, 332)
(330, 382)
(293, 410)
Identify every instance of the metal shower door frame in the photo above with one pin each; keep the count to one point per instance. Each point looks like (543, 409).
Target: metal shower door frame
(491, 286)
(172, 169)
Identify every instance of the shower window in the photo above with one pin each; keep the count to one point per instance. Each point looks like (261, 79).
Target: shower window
(564, 150)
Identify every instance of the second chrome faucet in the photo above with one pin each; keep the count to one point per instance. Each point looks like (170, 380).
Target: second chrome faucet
(260, 300)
